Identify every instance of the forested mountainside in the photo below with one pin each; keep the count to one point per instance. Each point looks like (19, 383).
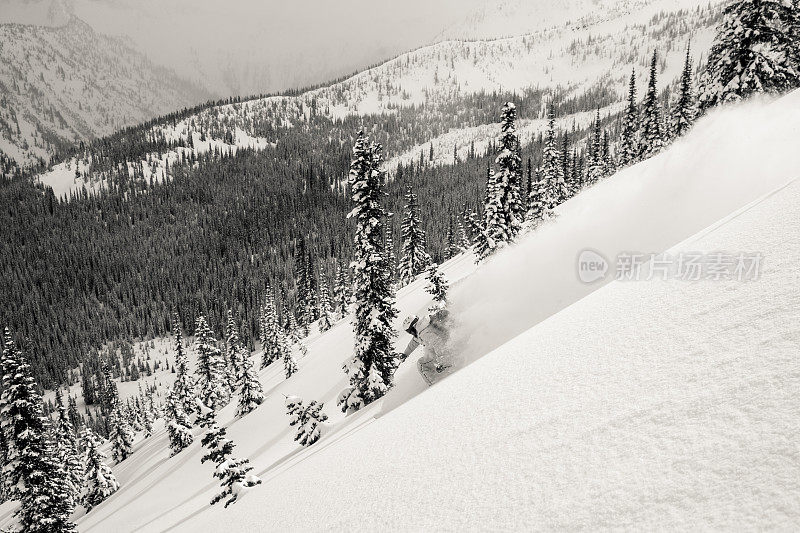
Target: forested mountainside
(235, 225)
(418, 97)
(248, 181)
(65, 84)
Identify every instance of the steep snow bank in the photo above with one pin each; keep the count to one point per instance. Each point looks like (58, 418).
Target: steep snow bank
(661, 405)
(645, 404)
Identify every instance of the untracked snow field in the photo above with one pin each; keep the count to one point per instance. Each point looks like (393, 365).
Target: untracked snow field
(660, 404)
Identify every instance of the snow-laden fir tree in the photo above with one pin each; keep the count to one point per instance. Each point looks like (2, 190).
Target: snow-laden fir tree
(7, 369)
(571, 185)
(326, 318)
(183, 386)
(371, 368)
(629, 141)
(99, 480)
(391, 260)
(537, 205)
(486, 234)
(289, 363)
(550, 170)
(753, 52)
(32, 469)
(72, 410)
(609, 164)
(463, 237)
(595, 163)
(307, 420)
(210, 367)
(120, 435)
(274, 340)
(147, 413)
(451, 244)
(508, 180)
(67, 449)
(179, 429)
(132, 415)
(233, 473)
(20, 419)
(232, 352)
(269, 330)
(341, 292)
(685, 108)
(54, 501)
(251, 395)
(414, 259)
(651, 140)
(437, 286)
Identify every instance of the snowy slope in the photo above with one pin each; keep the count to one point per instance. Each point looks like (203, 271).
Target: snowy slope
(667, 404)
(645, 406)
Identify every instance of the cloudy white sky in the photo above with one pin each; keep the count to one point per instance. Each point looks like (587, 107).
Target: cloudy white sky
(253, 46)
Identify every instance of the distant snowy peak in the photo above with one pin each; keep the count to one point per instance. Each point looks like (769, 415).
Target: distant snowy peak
(67, 83)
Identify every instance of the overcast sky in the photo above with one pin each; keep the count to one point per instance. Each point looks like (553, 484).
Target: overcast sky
(247, 46)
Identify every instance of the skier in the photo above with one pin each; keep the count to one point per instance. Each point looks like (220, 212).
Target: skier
(432, 332)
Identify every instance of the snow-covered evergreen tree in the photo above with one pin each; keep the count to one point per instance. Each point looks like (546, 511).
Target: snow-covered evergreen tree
(341, 292)
(21, 419)
(595, 163)
(508, 180)
(99, 480)
(232, 472)
(183, 386)
(629, 142)
(651, 140)
(572, 185)
(251, 394)
(49, 498)
(609, 164)
(210, 367)
(550, 171)
(120, 435)
(289, 363)
(753, 52)
(33, 471)
(685, 108)
(414, 259)
(391, 260)
(269, 332)
(307, 420)
(8, 365)
(463, 237)
(67, 449)
(537, 206)
(179, 429)
(146, 414)
(437, 286)
(233, 350)
(373, 354)
(326, 319)
(493, 221)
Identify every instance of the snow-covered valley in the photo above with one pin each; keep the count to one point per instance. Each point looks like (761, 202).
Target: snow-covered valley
(650, 404)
